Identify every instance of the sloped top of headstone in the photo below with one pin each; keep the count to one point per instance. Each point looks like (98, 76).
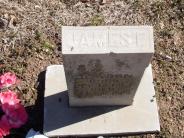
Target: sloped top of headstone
(107, 39)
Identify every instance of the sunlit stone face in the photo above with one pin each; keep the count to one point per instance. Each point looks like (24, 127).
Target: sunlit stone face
(103, 39)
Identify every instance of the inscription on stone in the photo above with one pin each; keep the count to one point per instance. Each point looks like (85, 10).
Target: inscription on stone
(104, 39)
(98, 83)
(107, 38)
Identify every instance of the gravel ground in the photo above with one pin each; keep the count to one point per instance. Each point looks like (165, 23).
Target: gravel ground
(30, 40)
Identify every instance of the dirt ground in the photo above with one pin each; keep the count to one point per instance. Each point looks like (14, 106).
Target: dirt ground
(30, 40)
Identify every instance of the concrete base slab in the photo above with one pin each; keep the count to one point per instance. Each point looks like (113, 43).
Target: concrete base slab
(62, 120)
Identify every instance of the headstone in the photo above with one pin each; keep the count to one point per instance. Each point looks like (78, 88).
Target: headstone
(104, 65)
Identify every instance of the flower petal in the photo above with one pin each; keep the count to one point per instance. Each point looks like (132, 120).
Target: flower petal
(7, 80)
(4, 126)
(9, 97)
(17, 115)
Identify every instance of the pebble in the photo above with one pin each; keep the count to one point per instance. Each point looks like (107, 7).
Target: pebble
(37, 7)
(168, 57)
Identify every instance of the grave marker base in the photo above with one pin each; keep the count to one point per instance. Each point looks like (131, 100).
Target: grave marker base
(62, 120)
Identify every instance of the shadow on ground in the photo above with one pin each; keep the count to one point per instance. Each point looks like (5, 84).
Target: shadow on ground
(57, 108)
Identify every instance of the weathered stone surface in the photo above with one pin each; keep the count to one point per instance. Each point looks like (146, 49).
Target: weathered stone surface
(107, 39)
(104, 65)
(62, 120)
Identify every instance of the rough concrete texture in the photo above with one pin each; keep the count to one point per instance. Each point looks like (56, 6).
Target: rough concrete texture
(104, 65)
(62, 120)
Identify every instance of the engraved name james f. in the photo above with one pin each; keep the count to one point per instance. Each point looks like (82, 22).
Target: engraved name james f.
(105, 38)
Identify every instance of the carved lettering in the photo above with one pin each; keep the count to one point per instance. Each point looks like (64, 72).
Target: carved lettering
(88, 83)
(83, 41)
(103, 39)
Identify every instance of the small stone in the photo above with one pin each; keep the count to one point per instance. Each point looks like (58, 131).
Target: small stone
(168, 57)
(37, 7)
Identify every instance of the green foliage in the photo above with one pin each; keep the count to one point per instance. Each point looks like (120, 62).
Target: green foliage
(97, 20)
(47, 46)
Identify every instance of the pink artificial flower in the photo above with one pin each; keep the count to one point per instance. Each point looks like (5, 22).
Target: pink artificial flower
(4, 126)
(7, 80)
(17, 115)
(9, 97)
(15, 112)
